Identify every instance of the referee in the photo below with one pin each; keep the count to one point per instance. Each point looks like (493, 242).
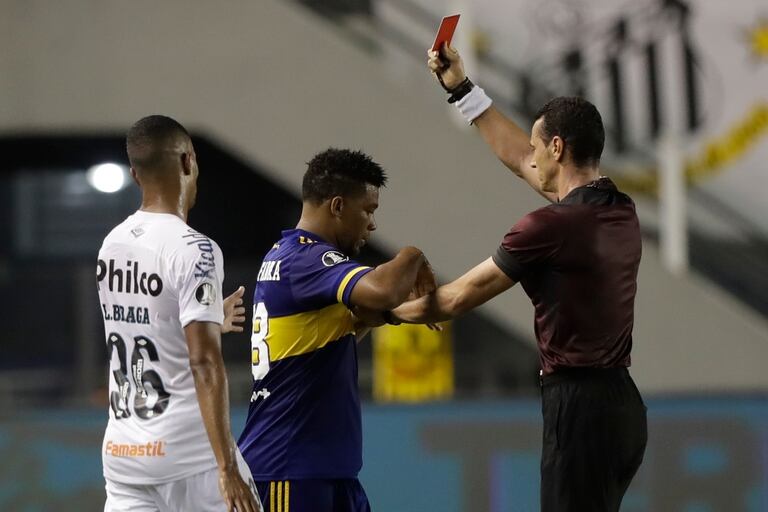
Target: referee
(577, 260)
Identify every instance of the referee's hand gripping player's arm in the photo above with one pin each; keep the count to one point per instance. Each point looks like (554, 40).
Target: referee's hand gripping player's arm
(207, 364)
(479, 285)
(406, 276)
(507, 140)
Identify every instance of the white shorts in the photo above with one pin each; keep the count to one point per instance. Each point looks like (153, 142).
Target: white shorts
(197, 493)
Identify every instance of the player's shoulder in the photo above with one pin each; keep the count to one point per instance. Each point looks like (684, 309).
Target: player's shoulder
(160, 231)
(308, 250)
(187, 240)
(178, 246)
(320, 254)
(122, 231)
(115, 236)
(187, 250)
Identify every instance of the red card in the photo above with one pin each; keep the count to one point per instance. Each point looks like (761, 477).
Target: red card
(445, 32)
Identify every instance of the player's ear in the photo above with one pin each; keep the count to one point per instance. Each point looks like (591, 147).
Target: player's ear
(135, 177)
(186, 163)
(336, 205)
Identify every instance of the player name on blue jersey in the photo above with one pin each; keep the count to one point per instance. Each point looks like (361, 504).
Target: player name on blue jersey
(269, 271)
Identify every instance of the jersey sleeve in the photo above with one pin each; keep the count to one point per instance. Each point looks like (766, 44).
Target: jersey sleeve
(322, 276)
(200, 274)
(530, 242)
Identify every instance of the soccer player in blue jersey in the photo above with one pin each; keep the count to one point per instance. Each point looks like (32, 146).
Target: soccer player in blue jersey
(303, 439)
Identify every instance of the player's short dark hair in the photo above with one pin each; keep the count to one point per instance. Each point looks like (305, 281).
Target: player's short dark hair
(340, 172)
(149, 137)
(578, 123)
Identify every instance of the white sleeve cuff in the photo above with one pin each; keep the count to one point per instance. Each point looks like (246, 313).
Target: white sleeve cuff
(474, 104)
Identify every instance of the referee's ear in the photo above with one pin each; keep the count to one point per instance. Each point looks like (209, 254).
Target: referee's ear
(558, 148)
(336, 205)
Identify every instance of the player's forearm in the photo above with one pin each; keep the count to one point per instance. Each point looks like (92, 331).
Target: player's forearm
(394, 280)
(213, 397)
(403, 273)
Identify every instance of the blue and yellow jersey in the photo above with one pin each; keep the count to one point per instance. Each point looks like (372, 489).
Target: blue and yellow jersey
(304, 417)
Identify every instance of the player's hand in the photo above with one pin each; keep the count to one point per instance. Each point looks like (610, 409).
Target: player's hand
(234, 312)
(426, 282)
(446, 66)
(238, 496)
(365, 317)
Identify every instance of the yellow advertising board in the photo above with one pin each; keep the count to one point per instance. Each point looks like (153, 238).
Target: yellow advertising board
(412, 363)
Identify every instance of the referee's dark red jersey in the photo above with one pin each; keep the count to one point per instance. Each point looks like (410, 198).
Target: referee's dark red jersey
(577, 260)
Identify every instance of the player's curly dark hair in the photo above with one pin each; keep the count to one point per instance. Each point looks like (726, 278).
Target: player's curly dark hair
(340, 172)
(578, 123)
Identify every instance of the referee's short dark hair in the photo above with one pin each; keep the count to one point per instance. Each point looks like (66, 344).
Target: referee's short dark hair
(148, 140)
(340, 172)
(578, 123)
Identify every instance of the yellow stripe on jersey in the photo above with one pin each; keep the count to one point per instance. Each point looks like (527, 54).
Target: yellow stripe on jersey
(279, 496)
(271, 496)
(344, 282)
(302, 333)
(287, 494)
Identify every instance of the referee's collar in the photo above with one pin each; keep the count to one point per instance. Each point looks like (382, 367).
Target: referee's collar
(592, 192)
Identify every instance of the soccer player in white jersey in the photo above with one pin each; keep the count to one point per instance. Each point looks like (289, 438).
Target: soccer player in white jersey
(168, 444)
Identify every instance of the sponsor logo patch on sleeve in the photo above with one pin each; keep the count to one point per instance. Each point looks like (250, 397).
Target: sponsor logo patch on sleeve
(206, 294)
(331, 258)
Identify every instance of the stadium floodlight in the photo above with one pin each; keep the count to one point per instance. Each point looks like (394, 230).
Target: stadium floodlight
(107, 177)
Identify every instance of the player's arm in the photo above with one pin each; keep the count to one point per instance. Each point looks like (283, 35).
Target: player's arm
(506, 139)
(390, 283)
(207, 364)
(474, 288)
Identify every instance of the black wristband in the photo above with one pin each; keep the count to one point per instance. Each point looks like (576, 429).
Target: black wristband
(389, 317)
(460, 90)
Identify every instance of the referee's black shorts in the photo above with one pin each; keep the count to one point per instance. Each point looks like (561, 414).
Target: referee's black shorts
(595, 431)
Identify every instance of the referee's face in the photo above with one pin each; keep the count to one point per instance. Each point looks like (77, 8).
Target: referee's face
(357, 220)
(543, 160)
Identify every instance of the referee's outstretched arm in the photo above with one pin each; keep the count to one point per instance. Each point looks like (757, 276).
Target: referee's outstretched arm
(508, 141)
(477, 286)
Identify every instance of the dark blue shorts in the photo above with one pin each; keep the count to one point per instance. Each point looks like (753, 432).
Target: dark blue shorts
(344, 495)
